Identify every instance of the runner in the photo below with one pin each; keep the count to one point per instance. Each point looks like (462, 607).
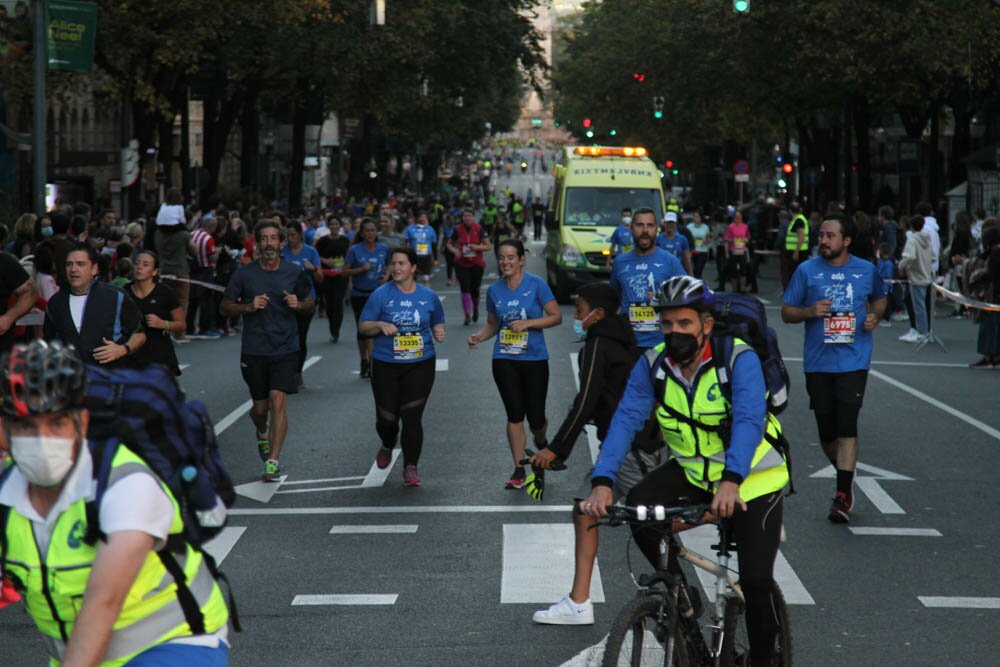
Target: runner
(405, 319)
(636, 275)
(332, 249)
(621, 238)
(467, 244)
(160, 308)
(674, 243)
(737, 239)
(269, 294)
(365, 264)
(841, 300)
(422, 238)
(307, 258)
(518, 308)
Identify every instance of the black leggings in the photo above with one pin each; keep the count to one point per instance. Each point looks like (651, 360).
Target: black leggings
(524, 386)
(333, 294)
(401, 391)
(756, 532)
(470, 278)
(303, 321)
(357, 305)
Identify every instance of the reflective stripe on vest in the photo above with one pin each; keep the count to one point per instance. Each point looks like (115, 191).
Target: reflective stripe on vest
(151, 613)
(792, 237)
(702, 452)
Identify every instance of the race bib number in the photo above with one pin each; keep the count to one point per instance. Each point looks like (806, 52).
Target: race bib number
(338, 262)
(643, 318)
(407, 346)
(626, 248)
(839, 328)
(423, 249)
(739, 246)
(513, 342)
(467, 251)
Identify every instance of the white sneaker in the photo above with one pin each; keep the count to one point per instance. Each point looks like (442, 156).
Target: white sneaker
(566, 612)
(911, 336)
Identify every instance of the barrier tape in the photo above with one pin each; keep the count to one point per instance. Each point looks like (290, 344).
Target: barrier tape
(199, 283)
(957, 297)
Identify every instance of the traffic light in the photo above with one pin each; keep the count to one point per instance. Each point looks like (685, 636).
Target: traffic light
(658, 107)
(613, 132)
(639, 77)
(670, 164)
(675, 171)
(590, 134)
(741, 6)
(586, 122)
(787, 168)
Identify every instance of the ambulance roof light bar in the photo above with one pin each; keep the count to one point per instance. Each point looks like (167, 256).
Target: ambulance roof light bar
(614, 151)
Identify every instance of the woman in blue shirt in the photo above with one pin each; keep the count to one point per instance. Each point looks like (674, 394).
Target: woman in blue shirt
(306, 257)
(405, 319)
(365, 264)
(519, 307)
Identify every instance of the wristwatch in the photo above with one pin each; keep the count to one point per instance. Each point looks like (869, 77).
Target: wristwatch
(128, 350)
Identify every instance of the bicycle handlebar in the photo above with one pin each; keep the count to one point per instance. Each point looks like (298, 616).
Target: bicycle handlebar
(558, 464)
(693, 515)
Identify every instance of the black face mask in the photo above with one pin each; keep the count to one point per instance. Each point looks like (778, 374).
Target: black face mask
(681, 347)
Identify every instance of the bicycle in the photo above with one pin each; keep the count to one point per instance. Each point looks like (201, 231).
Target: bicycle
(660, 625)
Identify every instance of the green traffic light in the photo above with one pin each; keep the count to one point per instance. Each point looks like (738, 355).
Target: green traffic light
(741, 6)
(613, 132)
(590, 134)
(675, 172)
(657, 115)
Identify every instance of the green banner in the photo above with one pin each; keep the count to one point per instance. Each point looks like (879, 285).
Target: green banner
(72, 27)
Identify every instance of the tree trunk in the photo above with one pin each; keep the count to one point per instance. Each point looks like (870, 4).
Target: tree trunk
(298, 156)
(864, 157)
(933, 161)
(220, 116)
(250, 132)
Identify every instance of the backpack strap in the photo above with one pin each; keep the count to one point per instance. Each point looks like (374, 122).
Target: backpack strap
(4, 516)
(103, 454)
(213, 568)
(189, 605)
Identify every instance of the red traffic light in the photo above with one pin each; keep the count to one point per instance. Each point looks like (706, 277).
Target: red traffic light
(586, 122)
(787, 168)
(670, 164)
(639, 76)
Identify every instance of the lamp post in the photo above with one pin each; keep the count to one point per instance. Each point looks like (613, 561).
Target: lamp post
(40, 56)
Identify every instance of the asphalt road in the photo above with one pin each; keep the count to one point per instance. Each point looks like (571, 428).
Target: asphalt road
(450, 573)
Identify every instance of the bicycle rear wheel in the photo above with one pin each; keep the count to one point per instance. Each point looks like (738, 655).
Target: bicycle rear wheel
(638, 635)
(736, 643)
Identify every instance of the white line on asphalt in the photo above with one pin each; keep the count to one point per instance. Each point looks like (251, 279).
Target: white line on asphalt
(377, 477)
(915, 364)
(877, 495)
(358, 599)
(701, 539)
(901, 532)
(588, 657)
(183, 366)
(407, 509)
(328, 479)
(374, 530)
(220, 546)
(972, 421)
(538, 564)
(231, 418)
(959, 602)
(322, 488)
(590, 429)
(441, 365)
(260, 490)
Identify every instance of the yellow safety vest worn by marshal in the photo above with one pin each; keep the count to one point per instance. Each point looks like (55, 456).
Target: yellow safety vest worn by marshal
(53, 586)
(694, 440)
(792, 236)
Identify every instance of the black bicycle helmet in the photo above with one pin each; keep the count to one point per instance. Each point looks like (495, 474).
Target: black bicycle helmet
(42, 378)
(683, 292)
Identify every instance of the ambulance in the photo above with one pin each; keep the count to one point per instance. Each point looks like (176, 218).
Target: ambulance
(592, 186)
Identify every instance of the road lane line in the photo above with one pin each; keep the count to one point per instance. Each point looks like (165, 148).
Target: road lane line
(972, 421)
(441, 365)
(407, 509)
(538, 564)
(877, 495)
(220, 546)
(701, 539)
(328, 479)
(377, 477)
(588, 657)
(322, 488)
(589, 429)
(374, 530)
(348, 599)
(902, 532)
(915, 364)
(260, 490)
(183, 366)
(233, 416)
(959, 602)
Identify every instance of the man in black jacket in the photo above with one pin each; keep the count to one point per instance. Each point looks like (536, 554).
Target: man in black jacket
(606, 361)
(99, 319)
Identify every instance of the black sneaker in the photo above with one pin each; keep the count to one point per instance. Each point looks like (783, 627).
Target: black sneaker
(982, 363)
(467, 321)
(516, 480)
(366, 369)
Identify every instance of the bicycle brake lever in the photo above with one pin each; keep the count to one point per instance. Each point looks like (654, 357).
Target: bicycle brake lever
(556, 465)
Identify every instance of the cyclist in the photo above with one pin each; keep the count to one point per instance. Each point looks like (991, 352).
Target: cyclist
(518, 308)
(742, 478)
(113, 601)
(405, 320)
(467, 243)
(636, 274)
(841, 299)
(422, 238)
(365, 263)
(605, 362)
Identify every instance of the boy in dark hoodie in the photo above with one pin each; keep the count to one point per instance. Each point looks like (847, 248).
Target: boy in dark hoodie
(606, 360)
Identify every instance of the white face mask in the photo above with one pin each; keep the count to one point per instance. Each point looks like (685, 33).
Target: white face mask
(627, 220)
(44, 460)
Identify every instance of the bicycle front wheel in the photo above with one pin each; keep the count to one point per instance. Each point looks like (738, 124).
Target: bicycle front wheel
(639, 634)
(736, 642)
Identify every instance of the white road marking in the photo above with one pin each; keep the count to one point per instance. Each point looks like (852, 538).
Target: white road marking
(959, 602)
(972, 421)
(355, 599)
(915, 364)
(869, 485)
(441, 365)
(902, 532)
(538, 564)
(588, 657)
(406, 509)
(231, 418)
(374, 530)
(702, 538)
(183, 366)
(322, 488)
(328, 479)
(223, 543)
(590, 429)
(377, 477)
(260, 490)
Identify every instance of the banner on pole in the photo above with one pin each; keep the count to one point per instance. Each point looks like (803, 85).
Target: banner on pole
(71, 28)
